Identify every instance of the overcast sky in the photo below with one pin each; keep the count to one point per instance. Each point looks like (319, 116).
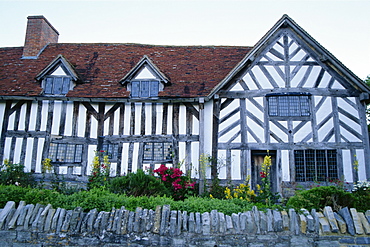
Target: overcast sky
(342, 27)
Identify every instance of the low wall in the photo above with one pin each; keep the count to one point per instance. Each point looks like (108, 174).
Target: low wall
(39, 225)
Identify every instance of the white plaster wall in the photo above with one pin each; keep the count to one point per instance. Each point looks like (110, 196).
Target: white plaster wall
(285, 171)
(81, 121)
(40, 148)
(347, 166)
(69, 119)
(56, 117)
(28, 157)
(360, 156)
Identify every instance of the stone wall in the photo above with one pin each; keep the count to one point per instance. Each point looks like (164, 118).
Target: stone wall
(39, 225)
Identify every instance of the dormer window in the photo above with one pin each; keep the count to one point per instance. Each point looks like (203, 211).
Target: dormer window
(144, 88)
(57, 85)
(145, 80)
(58, 78)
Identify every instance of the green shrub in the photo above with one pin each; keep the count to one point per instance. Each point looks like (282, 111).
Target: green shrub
(12, 193)
(14, 174)
(138, 184)
(319, 197)
(42, 196)
(361, 192)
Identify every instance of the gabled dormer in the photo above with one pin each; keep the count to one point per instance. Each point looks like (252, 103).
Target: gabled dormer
(145, 80)
(58, 77)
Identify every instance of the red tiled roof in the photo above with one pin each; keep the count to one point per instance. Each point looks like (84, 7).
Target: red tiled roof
(193, 71)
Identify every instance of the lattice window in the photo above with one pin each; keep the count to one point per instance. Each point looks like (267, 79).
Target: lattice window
(288, 105)
(158, 152)
(57, 85)
(315, 165)
(65, 153)
(111, 151)
(144, 88)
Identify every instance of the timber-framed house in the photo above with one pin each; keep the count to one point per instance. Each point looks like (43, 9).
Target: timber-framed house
(147, 105)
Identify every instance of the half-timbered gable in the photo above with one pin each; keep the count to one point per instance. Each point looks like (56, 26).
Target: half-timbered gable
(291, 98)
(147, 105)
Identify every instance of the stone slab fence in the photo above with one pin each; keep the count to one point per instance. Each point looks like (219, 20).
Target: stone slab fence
(39, 225)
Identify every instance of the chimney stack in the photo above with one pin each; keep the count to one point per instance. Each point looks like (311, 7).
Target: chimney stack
(39, 33)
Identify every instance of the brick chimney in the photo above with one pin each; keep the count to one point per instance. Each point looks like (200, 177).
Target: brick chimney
(39, 33)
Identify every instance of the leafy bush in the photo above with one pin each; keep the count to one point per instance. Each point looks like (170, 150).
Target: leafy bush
(100, 170)
(138, 184)
(319, 197)
(361, 192)
(14, 174)
(180, 185)
(12, 193)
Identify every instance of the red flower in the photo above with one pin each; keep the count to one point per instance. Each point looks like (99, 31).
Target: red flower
(262, 174)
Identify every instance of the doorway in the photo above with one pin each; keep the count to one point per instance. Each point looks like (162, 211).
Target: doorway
(257, 158)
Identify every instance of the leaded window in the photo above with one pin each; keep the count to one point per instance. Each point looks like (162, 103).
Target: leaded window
(65, 153)
(288, 105)
(144, 88)
(160, 152)
(57, 85)
(315, 165)
(111, 150)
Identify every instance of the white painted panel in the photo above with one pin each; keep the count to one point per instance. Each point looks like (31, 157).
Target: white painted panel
(11, 121)
(33, 117)
(298, 77)
(250, 83)
(7, 146)
(303, 132)
(63, 170)
(95, 106)
(208, 117)
(77, 170)
(106, 127)
(127, 119)
(148, 119)
(277, 131)
(81, 121)
(44, 114)
(94, 128)
(285, 171)
(182, 118)
(145, 74)
(2, 110)
(125, 147)
(324, 110)
(90, 157)
(350, 123)
(17, 150)
(257, 129)
(236, 87)
(28, 157)
(347, 107)
(250, 138)
(116, 122)
(169, 119)
(348, 136)
(299, 55)
(347, 166)
(360, 156)
(222, 172)
(40, 148)
(276, 76)
(22, 117)
(226, 137)
(137, 118)
(195, 126)
(312, 77)
(337, 85)
(56, 117)
(59, 71)
(325, 80)
(235, 164)
(195, 159)
(261, 78)
(182, 155)
(273, 57)
(254, 110)
(135, 157)
(279, 48)
(69, 118)
(113, 169)
(324, 130)
(158, 127)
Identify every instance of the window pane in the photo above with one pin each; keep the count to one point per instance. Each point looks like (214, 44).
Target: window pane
(294, 106)
(154, 88)
(289, 105)
(61, 152)
(283, 103)
(48, 86)
(273, 106)
(332, 164)
(70, 153)
(58, 83)
(161, 152)
(135, 88)
(145, 89)
(66, 83)
(321, 165)
(300, 175)
(305, 106)
(78, 153)
(310, 165)
(53, 152)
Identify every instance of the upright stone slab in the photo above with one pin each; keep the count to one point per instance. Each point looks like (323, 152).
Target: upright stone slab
(13, 221)
(91, 219)
(130, 223)
(173, 223)
(344, 212)
(285, 218)
(22, 216)
(4, 213)
(138, 214)
(179, 222)
(157, 220)
(278, 221)
(341, 223)
(191, 222)
(35, 223)
(316, 220)
(256, 218)
(243, 222)
(263, 222)
(251, 224)
(364, 222)
(67, 221)
(42, 218)
(111, 225)
(104, 222)
(367, 215)
(206, 223)
(118, 220)
(270, 220)
(185, 221)
(165, 219)
(198, 223)
(222, 224)
(125, 219)
(356, 222)
(49, 219)
(54, 221)
(61, 217)
(214, 221)
(229, 225)
(328, 212)
(325, 227)
(150, 224)
(293, 221)
(310, 220)
(144, 220)
(303, 223)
